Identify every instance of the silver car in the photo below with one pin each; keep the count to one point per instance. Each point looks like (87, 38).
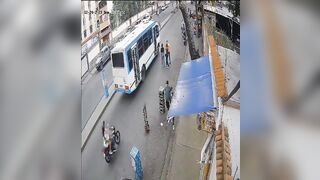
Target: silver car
(103, 58)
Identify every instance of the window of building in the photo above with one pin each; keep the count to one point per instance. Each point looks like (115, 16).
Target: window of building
(89, 8)
(91, 29)
(84, 33)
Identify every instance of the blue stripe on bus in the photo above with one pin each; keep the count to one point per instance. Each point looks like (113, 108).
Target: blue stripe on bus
(135, 41)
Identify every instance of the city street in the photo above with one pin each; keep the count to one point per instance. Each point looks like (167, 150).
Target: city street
(125, 112)
(92, 90)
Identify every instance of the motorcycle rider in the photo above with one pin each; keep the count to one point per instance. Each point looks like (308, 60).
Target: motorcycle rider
(111, 134)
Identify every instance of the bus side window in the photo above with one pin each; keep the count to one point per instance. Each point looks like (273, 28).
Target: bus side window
(140, 48)
(157, 30)
(129, 59)
(150, 36)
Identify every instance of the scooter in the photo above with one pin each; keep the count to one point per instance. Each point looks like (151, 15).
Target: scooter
(110, 143)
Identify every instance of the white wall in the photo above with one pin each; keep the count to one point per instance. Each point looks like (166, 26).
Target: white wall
(84, 66)
(93, 53)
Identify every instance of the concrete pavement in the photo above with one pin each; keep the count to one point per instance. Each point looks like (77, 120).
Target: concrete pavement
(85, 134)
(186, 150)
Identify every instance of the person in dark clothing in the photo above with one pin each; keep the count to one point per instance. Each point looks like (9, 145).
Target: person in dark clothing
(168, 95)
(168, 92)
(162, 55)
(103, 128)
(166, 60)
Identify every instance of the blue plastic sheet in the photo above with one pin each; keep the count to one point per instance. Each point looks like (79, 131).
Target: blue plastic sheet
(194, 92)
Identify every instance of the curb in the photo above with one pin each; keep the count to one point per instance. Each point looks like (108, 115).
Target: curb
(86, 136)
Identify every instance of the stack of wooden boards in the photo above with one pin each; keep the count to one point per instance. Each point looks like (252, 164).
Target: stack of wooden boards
(223, 154)
(161, 100)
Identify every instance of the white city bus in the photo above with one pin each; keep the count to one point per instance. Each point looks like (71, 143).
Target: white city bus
(132, 56)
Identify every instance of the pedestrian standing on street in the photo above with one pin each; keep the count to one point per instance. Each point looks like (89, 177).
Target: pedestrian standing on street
(103, 128)
(167, 94)
(162, 55)
(168, 58)
(168, 97)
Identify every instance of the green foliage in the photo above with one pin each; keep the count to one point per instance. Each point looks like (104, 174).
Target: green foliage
(123, 10)
(234, 7)
(212, 2)
(236, 11)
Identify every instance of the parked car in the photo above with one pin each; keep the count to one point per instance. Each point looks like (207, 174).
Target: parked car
(163, 8)
(103, 58)
(138, 21)
(146, 18)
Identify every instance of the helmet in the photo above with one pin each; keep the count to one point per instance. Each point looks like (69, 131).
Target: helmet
(112, 128)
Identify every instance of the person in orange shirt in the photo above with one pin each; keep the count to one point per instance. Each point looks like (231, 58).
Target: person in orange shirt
(168, 57)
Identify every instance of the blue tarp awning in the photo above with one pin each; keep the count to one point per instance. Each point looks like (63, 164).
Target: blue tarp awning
(194, 92)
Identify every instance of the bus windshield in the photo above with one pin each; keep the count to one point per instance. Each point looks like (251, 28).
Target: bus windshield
(117, 60)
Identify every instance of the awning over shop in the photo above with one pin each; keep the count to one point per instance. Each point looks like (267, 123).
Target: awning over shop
(194, 92)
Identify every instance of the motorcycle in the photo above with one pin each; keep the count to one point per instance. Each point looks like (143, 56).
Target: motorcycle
(111, 140)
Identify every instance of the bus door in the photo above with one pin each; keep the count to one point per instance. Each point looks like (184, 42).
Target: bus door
(155, 32)
(135, 60)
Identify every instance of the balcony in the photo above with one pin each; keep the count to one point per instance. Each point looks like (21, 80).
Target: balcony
(105, 31)
(104, 25)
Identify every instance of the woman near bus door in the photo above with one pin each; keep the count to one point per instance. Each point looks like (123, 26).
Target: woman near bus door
(168, 58)
(162, 55)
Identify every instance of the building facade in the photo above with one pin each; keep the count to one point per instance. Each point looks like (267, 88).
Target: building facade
(104, 22)
(95, 22)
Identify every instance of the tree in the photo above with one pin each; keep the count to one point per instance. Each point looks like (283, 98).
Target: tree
(123, 10)
(234, 7)
(236, 11)
(212, 2)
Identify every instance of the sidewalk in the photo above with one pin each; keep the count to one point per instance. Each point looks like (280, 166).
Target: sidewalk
(86, 132)
(186, 150)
